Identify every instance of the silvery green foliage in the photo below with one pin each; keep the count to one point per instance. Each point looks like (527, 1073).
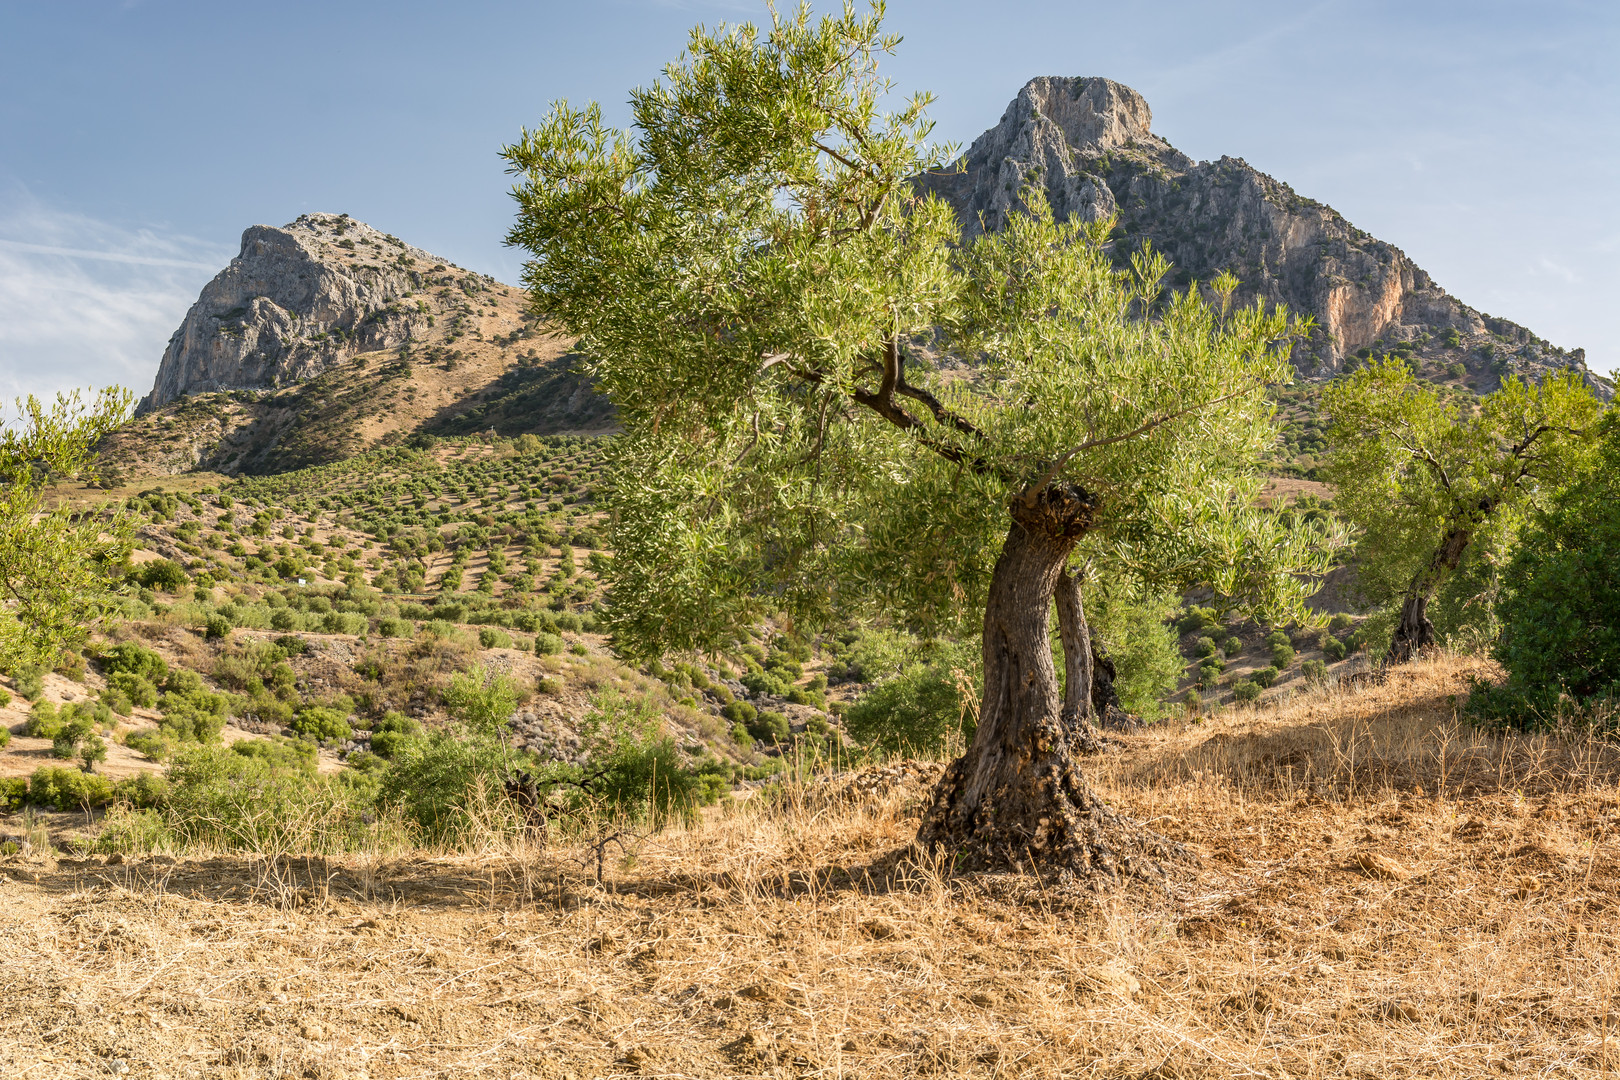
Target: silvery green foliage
(54, 563)
(829, 402)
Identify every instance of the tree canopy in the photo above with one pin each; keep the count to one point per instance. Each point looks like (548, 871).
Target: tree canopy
(828, 401)
(1434, 488)
(54, 563)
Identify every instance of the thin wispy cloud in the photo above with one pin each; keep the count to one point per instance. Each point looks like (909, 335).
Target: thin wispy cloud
(86, 303)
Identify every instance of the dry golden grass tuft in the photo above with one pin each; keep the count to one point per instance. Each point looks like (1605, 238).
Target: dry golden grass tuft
(1383, 893)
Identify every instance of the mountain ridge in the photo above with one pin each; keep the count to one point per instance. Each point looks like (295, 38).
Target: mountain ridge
(1088, 144)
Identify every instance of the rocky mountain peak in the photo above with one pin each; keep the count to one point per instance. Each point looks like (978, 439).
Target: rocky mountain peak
(295, 301)
(1087, 143)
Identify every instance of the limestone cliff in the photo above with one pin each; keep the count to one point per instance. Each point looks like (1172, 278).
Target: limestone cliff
(1088, 143)
(297, 300)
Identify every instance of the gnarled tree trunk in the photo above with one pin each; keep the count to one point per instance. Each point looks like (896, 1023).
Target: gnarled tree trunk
(1414, 632)
(1017, 798)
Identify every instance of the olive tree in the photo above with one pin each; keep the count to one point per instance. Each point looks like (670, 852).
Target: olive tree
(54, 562)
(830, 405)
(1431, 485)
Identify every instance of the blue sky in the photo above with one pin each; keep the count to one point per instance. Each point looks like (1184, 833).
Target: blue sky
(139, 138)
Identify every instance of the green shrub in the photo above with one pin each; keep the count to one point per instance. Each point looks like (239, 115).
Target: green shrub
(547, 684)
(143, 790)
(135, 687)
(13, 794)
(151, 743)
(1209, 675)
(1232, 646)
(118, 701)
(770, 726)
(321, 723)
(44, 722)
(259, 801)
(395, 628)
(217, 627)
(740, 735)
(136, 660)
(392, 733)
(279, 753)
(1332, 648)
(1282, 655)
(1339, 622)
(1205, 646)
(493, 637)
(1245, 690)
(68, 789)
(1314, 671)
(915, 711)
(1560, 609)
(5, 737)
(1197, 618)
(5, 697)
(1265, 676)
(29, 681)
(161, 575)
(739, 712)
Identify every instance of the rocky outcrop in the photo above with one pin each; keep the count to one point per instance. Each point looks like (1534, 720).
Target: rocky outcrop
(1087, 143)
(297, 300)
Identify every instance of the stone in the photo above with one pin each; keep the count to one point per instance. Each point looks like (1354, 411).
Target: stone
(294, 301)
(1088, 143)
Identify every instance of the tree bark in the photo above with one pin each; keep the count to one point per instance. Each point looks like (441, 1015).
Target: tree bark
(1078, 686)
(1017, 800)
(1413, 631)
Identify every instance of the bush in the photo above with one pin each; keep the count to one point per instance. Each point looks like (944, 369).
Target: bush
(1340, 622)
(393, 733)
(739, 712)
(1560, 610)
(1265, 676)
(161, 575)
(1282, 655)
(493, 637)
(136, 660)
(395, 628)
(1209, 675)
(30, 682)
(143, 790)
(323, 724)
(44, 722)
(1315, 672)
(68, 789)
(217, 627)
(915, 711)
(259, 800)
(1205, 646)
(118, 701)
(770, 726)
(1245, 690)
(1332, 648)
(1135, 632)
(1232, 646)
(151, 743)
(137, 688)
(547, 644)
(5, 737)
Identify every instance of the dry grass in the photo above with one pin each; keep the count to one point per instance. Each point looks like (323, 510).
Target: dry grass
(1382, 894)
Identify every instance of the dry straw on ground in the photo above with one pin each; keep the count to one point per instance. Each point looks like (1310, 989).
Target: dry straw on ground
(1383, 893)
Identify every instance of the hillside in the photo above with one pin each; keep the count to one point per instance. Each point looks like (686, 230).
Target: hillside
(326, 339)
(1088, 143)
